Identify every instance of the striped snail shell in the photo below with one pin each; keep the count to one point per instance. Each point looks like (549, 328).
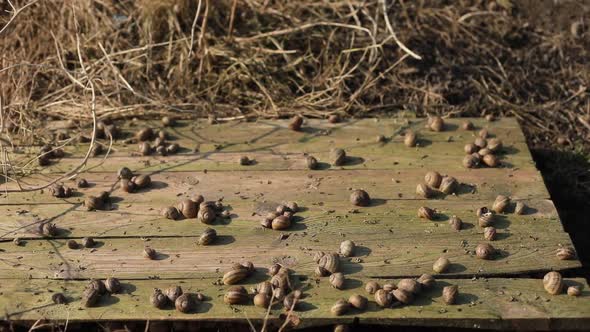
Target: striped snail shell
(330, 262)
(235, 295)
(340, 307)
(234, 276)
(206, 213)
(208, 236)
(185, 303)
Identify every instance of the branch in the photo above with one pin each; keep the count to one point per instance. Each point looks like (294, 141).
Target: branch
(397, 41)
(15, 13)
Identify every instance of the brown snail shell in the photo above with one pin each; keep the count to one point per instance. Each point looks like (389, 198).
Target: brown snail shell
(72, 244)
(489, 233)
(161, 150)
(198, 199)
(264, 287)
(426, 213)
(470, 161)
(358, 301)
(433, 179)
(318, 255)
(321, 272)
(292, 206)
(337, 156)
(456, 223)
(337, 280)
(112, 285)
(441, 265)
(490, 118)
(262, 300)
(82, 183)
(389, 287)
(59, 298)
(172, 148)
(206, 213)
(127, 186)
(410, 139)
(334, 118)
(49, 229)
(467, 125)
(403, 296)
(281, 281)
(43, 160)
(574, 291)
(142, 181)
(98, 285)
(423, 190)
(372, 286)
(245, 161)
(494, 144)
(290, 301)
(426, 280)
(274, 269)
(281, 208)
(340, 307)
(249, 266)
(173, 292)
(158, 299)
(145, 134)
(520, 208)
(470, 148)
(105, 196)
(484, 251)
(330, 262)
(500, 204)
(448, 185)
(188, 208)
(565, 253)
(311, 162)
(168, 121)
(383, 298)
(88, 242)
(553, 283)
(486, 219)
(145, 148)
(279, 294)
(208, 236)
(60, 191)
(185, 303)
(491, 160)
(483, 133)
(90, 297)
(296, 123)
(170, 213)
(484, 152)
(149, 253)
(232, 277)
(17, 241)
(347, 248)
(450, 294)
(409, 285)
(360, 197)
(436, 123)
(480, 142)
(235, 295)
(280, 223)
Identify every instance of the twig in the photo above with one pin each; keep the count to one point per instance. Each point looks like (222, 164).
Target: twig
(397, 41)
(190, 51)
(473, 14)
(15, 13)
(232, 16)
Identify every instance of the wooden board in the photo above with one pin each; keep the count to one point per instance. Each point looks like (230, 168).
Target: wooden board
(393, 241)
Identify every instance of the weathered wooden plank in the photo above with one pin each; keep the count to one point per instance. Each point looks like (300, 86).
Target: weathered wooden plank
(497, 304)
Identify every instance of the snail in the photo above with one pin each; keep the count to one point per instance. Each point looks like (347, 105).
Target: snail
(172, 148)
(59, 298)
(520, 208)
(360, 197)
(125, 173)
(318, 255)
(48, 229)
(170, 212)
(296, 123)
(149, 253)
(337, 280)
(262, 300)
(234, 276)
(467, 125)
(380, 139)
(470, 161)
(98, 285)
(112, 285)
(433, 179)
(60, 191)
(409, 285)
(206, 213)
(334, 118)
(264, 287)
(281, 281)
(168, 121)
(88, 242)
(448, 185)
(161, 150)
(281, 209)
(127, 186)
(470, 148)
(426, 213)
(574, 291)
(330, 262)
(145, 148)
(188, 208)
(423, 190)
(185, 303)
(426, 280)
(43, 160)
(410, 139)
(274, 269)
(480, 142)
(92, 203)
(235, 295)
(389, 287)
(281, 222)
(489, 233)
(491, 160)
(436, 123)
(158, 299)
(500, 204)
(490, 118)
(279, 294)
(311, 162)
(372, 286)
(383, 298)
(484, 251)
(358, 301)
(142, 181)
(494, 144)
(90, 297)
(450, 293)
(486, 217)
(82, 183)
(441, 265)
(321, 272)
(72, 244)
(144, 134)
(483, 133)
(403, 296)
(245, 161)
(565, 253)
(337, 156)
(553, 283)
(347, 248)
(456, 223)
(340, 307)
(484, 152)
(208, 236)
(290, 301)
(173, 292)
(17, 241)
(292, 206)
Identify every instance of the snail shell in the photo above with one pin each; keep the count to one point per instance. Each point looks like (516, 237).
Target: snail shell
(347, 248)
(112, 285)
(49, 229)
(494, 144)
(423, 190)
(172, 148)
(145, 148)
(161, 150)
(188, 208)
(321, 272)
(274, 269)
(553, 283)
(491, 160)
(236, 295)
(489, 233)
(410, 139)
(490, 118)
(88, 242)
(311, 162)
(208, 236)
(290, 301)
(470, 148)
(480, 142)
(90, 297)
(483, 133)
(17, 241)
(318, 255)
(441, 265)
(145, 134)
(340, 307)
(448, 185)
(334, 118)
(264, 287)
(234, 276)
(262, 300)
(389, 287)
(520, 208)
(292, 206)
(456, 223)
(149, 253)
(142, 181)
(59, 298)
(168, 121)
(383, 298)
(185, 303)
(296, 123)
(358, 301)
(281, 222)
(127, 186)
(436, 123)
(500, 204)
(426, 280)
(281, 281)
(82, 183)
(486, 219)
(337, 156)
(244, 161)
(403, 296)
(426, 213)
(360, 197)
(565, 253)
(158, 299)
(470, 161)
(467, 125)
(98, 285)
(281, 208)
(105, 196)
(372, 286)
(484, 251)
(72, 244)
(279, 294)
(484, 152)
(173, 292)
(330, 262)
(409, 285)
(433, 179)
(206, 213)
(170, 213)
(337, 280)
(450, 294)
(574, 291)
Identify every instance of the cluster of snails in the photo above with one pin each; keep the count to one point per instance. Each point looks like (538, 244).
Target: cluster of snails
(174, 296)
(282, 217)
(99, 202)
(96, 288)
(486, 219)
(483, 150)
(433, 182)
(60, 191)
(87, 242)
(554, 285)
(160, 146)
(342, 306)
(47, 152)
(278, 288)
(128, 182)
(238, 272)
(196, 207)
